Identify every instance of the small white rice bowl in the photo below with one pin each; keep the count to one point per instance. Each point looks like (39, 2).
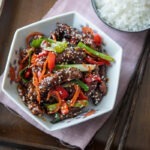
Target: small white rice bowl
(125, 15)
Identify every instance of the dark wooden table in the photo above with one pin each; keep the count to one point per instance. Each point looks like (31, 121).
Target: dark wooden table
(16, 133)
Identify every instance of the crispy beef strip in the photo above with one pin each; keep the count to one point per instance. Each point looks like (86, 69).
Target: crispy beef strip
(101, 89)
(92, 87)
(96, 96)
(58, 78)
(28, 95)
(35, 108)
(70, 55)
(102, 86)
(72, 35)
(67, 33)
(98, 90)
(102, 71)
(64, 32)
(87, 39)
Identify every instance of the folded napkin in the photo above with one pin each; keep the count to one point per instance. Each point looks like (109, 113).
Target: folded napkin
(132, 44)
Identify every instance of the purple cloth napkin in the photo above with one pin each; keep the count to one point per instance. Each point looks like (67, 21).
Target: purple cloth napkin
(132, 44)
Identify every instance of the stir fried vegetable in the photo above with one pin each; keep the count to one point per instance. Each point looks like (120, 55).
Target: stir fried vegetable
(51, 61)
(59, 74)
(25, 73)
(82, 85)
(94, 52)
(81, 103)
(81, 67)
(56, 46)
(63, 93)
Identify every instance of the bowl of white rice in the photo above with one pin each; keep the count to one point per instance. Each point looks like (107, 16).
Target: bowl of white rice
(124, 15)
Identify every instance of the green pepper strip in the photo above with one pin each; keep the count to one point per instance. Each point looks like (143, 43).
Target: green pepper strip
(51, 107)
(36, 43)
(59, 47)
(94, 52)
(24, 69)
(81, 103)
(81, 84)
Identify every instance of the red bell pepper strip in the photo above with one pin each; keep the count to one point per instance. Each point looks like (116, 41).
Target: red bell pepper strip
(97, 39)
(100, 62)
(63, 93)
(51, 61)
(82, 96)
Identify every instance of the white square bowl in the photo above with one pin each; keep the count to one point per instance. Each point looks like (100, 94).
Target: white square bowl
(45, 26)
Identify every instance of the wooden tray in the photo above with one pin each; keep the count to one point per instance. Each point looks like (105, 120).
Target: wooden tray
(15, 132)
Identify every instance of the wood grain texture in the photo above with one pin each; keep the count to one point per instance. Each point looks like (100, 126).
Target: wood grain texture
(139, 135)
(135, 136)
(18, 13)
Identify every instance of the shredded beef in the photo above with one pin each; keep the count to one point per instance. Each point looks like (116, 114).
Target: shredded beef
(70, 55)
(58, 78)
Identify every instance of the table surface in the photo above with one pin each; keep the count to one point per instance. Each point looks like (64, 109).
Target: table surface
(17, 133)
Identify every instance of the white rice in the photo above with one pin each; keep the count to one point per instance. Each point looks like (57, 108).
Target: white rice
(127, 15)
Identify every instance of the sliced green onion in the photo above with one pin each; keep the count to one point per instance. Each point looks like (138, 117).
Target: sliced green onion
(59, 47)
(51, 107)
(81, 67)
(81, 103)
